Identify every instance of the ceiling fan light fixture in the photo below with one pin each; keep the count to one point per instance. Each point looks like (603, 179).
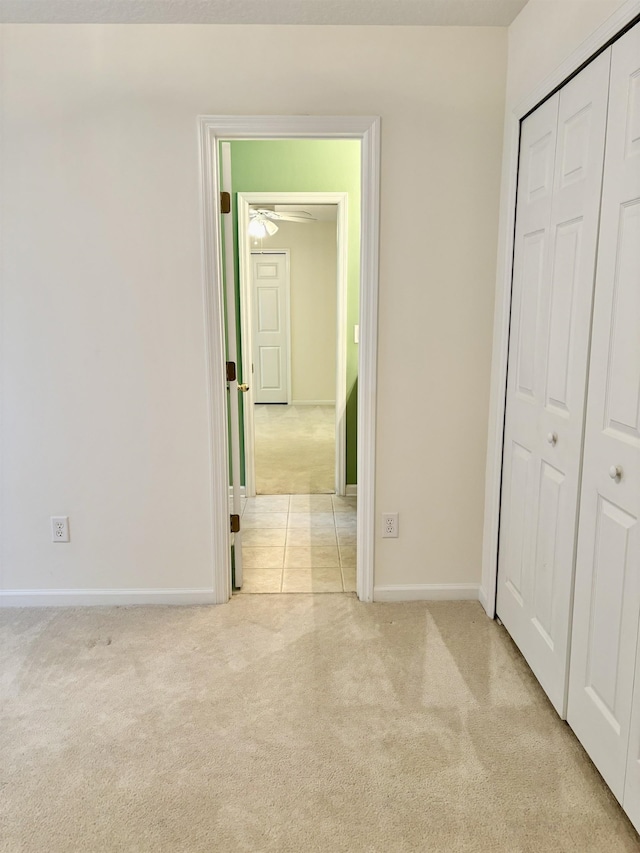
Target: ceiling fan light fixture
(260, 227)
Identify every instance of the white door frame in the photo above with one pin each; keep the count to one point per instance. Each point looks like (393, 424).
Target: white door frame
(608, 31)
(212, 131)
(245, 200)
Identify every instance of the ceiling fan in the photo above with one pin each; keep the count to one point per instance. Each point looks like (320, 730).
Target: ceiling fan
(262, 220)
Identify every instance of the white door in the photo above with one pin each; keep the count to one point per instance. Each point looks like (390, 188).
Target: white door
(270, 309)
(561, 156)
(233, 387)
(607, 588)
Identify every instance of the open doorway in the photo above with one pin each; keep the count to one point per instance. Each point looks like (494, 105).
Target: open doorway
(298, 528)
(295, 324)
(223, 312)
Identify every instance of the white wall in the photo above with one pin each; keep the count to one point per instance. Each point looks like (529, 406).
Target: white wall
(544, 34)
(313, 265)
(103, 361)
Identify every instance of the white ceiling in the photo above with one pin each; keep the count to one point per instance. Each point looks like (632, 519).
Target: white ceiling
(469, 13)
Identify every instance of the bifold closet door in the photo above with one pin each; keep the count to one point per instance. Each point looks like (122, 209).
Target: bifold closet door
(559, 188)
(607, 588)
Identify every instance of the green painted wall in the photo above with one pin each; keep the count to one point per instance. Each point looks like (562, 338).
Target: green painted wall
(303, 165)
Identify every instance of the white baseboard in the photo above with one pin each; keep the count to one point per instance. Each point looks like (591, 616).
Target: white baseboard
(313, 402)
(427, 592)
(84, 597)
(351, 490)
(482, 598)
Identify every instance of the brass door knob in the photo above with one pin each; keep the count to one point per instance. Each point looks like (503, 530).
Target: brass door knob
(244, 387)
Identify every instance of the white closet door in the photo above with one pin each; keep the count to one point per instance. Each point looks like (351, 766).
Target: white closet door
(559, 187)
(607, 588)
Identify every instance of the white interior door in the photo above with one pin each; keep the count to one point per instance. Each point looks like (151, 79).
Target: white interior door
(232, 356)
(559, 186)
(607, 588)
(270, 309)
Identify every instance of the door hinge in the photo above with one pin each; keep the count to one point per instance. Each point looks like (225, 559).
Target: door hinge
(225, 202)
(231, 371)
(235, 523)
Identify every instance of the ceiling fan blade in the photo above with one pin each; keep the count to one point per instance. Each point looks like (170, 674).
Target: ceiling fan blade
(293, 216)
(281, 216)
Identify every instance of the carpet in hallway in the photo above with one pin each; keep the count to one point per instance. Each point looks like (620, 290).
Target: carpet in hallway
(294, 449)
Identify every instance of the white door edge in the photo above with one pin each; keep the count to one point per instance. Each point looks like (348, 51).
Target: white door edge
(212, 131)
(245, 200)
(232, 353)
(609, 30)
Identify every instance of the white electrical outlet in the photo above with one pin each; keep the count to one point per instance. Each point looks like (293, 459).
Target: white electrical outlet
(390, 525)
(60, 528)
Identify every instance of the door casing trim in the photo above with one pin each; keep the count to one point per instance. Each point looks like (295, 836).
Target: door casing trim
(211, 131)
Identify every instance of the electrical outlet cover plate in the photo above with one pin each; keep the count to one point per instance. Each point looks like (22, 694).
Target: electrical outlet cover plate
(60, 528)
(390, 525)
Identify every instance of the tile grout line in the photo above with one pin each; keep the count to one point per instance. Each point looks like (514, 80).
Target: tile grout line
(286, 541)
(335, 527)
(309, 511)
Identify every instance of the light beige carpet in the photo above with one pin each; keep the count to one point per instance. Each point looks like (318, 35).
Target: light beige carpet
(295, 450)
(287, 723)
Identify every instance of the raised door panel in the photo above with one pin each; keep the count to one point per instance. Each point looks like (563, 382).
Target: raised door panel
(529, 285)
(554, 268)
(270, 361)
(265, 271)
(613, 530)
(548, 551)
(622, 407)
(564, 286)
(268, 310)
(518, 503)
(607, 586)
(576, 142)
(605, 626)
(538, 157)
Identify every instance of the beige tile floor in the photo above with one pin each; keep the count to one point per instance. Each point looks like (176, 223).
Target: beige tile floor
(299, 543)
